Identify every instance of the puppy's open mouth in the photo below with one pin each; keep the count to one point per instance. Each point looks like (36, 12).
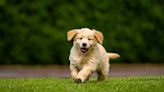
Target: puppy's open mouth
(83, 50)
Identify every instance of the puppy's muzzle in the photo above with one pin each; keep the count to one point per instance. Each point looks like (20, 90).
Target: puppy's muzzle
(84, 44)
(84, 48)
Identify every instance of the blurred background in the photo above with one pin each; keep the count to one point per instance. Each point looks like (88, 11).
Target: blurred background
(34, 31)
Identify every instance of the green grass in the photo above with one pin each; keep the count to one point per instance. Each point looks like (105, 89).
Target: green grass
(125, 84)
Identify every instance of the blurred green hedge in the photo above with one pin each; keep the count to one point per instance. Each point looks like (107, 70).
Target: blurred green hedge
(34, 31)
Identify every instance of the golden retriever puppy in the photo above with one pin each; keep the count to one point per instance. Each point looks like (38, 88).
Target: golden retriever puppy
(88, 55)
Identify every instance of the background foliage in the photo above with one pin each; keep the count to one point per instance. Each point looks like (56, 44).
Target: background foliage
(34, 31)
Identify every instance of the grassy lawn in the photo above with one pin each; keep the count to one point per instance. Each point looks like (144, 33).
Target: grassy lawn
(125, 84)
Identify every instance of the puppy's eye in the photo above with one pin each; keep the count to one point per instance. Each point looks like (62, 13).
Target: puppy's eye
(80, 38)
(89, 39)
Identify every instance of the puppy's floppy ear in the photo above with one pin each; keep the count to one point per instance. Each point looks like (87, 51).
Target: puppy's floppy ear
(71, 34)
(99, 37)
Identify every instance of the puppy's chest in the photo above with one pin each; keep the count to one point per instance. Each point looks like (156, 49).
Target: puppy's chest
(82, 60)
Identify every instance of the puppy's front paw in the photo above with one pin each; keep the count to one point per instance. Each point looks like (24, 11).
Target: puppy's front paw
(78, 80)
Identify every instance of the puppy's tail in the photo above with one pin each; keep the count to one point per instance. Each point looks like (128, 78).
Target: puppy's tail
(113, 55)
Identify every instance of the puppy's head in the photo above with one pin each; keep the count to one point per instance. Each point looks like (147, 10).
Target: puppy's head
(85, 39)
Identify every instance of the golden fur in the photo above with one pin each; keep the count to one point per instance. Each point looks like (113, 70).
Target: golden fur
(88, 55)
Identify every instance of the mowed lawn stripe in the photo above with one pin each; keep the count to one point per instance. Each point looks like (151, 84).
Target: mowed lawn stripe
(112, 84)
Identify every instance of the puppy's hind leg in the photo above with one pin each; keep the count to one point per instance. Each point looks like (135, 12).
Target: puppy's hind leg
(103, 73)
(88, 78)
(101, 77)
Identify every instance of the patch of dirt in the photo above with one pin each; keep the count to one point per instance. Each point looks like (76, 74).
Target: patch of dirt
(116, 70)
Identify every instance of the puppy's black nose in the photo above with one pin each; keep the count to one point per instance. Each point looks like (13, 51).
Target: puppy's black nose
(84, 44)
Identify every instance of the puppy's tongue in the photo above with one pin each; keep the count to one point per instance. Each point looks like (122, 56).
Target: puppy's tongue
(84, 50)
